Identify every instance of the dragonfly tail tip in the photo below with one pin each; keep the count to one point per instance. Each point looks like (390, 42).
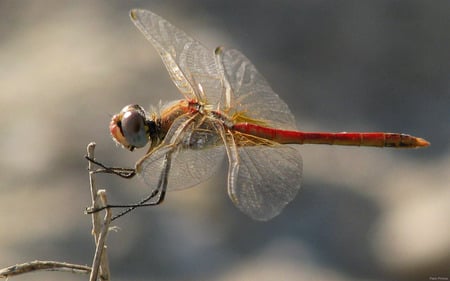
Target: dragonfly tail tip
(420, 142)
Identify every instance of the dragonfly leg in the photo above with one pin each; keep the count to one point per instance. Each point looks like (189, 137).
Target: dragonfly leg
(159, 192)
(126, 173)
(142, 203)
(131, 207)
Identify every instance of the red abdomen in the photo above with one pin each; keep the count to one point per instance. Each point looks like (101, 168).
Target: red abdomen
(377, 139)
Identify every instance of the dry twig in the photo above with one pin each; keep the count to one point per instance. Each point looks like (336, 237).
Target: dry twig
(43, 265)
(99, 227)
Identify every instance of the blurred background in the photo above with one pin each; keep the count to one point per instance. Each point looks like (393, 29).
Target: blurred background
(362, 213)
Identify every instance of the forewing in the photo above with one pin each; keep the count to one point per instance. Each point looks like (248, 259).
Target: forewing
(267, 179)
(188, 167)
(188, 62)
(249, 94)
(195, 154)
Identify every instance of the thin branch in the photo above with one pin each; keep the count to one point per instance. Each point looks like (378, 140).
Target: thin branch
(99, 227)
(96, 220)
(43, 265)
(100, 258)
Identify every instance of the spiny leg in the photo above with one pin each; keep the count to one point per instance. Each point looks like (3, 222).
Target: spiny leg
(160, 190)
(126, 173)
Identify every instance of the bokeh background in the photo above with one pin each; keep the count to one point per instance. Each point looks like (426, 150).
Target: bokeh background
(362, 213)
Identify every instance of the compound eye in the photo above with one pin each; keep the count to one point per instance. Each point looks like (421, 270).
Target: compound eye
(134, 129)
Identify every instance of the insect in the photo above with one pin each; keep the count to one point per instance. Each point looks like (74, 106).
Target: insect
(227, 109)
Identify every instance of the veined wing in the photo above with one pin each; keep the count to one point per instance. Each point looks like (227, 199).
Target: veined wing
(195, 153)
(188, 62)
(266, 180)
(248, 94)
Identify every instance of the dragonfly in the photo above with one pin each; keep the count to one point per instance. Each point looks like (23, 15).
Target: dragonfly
(228, 110)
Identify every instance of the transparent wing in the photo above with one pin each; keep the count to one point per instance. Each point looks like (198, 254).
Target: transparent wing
(188, 62)
(195, 151)
(248, 93)
(266, 180)
(188, 167)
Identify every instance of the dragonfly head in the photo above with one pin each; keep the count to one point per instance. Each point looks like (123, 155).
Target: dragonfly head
(130, 127)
